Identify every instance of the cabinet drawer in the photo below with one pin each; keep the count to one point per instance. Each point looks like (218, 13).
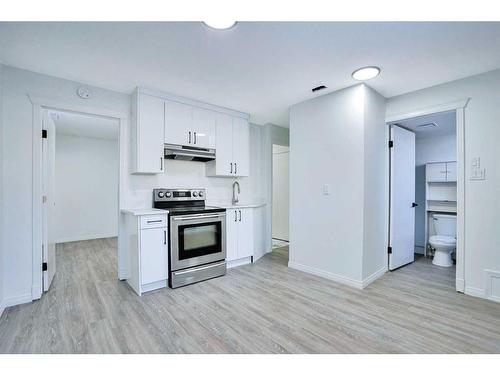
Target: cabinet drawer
(153, 221)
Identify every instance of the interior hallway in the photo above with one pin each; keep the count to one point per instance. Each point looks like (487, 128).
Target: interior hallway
(263, 307)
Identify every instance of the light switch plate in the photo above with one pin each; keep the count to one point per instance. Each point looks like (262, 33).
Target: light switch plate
(326, 189)
(478, 174)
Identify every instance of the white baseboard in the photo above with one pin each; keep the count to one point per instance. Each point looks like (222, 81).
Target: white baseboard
(239, 262)
(85, 237)
(492, 282)
(17, 300)
(374, 276)
(460, 285)
(474, 292)
(2, 308)
(327, 275)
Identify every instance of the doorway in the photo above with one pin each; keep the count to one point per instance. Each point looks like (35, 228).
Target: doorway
(426, 206)
(80, 187)
(280, 198)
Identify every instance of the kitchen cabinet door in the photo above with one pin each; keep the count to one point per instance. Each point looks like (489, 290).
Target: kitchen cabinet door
(245, 233)
(224, 164)
(451, 171)
(154, 257)
(178, 121)
(232, 235)
(435, 172)
(241, 146)
(150, 134)
(203, 128)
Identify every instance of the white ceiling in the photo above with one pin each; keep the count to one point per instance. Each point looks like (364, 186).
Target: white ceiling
(445, 121)
(82, 125)
(258, 67)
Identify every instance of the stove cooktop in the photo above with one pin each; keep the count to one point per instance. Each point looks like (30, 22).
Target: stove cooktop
(173, 211)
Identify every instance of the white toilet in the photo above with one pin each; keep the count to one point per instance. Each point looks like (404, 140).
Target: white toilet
(445, 240)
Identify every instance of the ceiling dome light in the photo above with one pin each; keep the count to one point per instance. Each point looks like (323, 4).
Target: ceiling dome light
(368, 72)
(220, 24)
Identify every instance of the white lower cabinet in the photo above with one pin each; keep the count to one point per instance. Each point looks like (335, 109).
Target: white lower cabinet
(239, 235)
(147, 251)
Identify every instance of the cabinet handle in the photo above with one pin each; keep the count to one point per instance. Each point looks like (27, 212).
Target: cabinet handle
(154, 221)
(235, 168)
(189, 137)
(240, 215)
(161, 164)
(194, 137)
(235, 216)
(164, 237)
(231, 168)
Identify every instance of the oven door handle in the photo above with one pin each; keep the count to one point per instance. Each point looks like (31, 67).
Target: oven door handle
(194, 217)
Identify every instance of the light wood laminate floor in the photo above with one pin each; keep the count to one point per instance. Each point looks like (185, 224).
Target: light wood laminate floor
(264, 307)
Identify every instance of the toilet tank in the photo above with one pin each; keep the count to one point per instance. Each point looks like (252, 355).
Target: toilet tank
(445, 225)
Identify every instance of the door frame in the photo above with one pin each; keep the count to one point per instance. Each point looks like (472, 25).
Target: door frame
(44, 103)
(459, 108)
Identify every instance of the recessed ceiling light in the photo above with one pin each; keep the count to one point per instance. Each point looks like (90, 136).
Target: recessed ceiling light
(368, 72)
(220, 24)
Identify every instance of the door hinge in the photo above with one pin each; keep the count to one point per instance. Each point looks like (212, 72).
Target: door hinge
(44, 133)
(391, 144)
(389, 249)
(44, 266)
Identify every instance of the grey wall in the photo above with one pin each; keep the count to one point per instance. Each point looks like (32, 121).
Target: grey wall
(427, 150)
(2, 262)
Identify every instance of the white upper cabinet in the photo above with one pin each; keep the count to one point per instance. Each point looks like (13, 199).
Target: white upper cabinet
(441, 172)
(232, 147)
(147, 134)
(451, 171)
(203, 128)
(178, 121)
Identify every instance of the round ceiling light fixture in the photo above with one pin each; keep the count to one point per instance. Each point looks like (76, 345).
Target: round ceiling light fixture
(220, 24)
(365, 73)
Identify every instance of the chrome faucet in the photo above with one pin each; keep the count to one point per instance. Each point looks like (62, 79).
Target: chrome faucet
(235, 195)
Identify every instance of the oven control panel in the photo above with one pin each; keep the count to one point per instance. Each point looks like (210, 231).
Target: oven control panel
(165, 195)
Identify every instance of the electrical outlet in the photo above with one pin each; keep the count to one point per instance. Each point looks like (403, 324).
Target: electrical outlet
(326, 189)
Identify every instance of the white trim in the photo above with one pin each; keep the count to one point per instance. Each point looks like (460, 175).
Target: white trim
(459, 107)
(85, 237)
(239, 262)
(460, 285)
(428, 110)
(17, 300)
(327, 275)
(374, 276)
(39, 104)
(192, 102)
(474, 292)
(2, 308)
(490, 275)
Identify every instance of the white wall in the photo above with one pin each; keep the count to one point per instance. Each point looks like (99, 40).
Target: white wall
(280, 192)
(427, 150)
(137, 189)
(482, 135)
(333, 143)
(86, 188)
(2, 262)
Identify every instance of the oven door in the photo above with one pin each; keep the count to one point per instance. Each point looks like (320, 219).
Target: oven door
(197, 239)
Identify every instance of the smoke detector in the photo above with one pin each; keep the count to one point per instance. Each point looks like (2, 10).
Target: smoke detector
(84, 92)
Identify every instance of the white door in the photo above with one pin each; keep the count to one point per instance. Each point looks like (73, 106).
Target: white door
(241, 146)
(151, 134)
(178, 121)
(154, 255)
(224, 146)
(402, 215)
(203, 128)
(231, 235)
(48, 199)
(451, 171)
(245, 233)
(435, 172)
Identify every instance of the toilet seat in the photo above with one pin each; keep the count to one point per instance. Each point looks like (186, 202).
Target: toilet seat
(438, 240)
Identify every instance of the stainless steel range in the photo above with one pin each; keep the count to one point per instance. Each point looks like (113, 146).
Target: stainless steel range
(197, 235)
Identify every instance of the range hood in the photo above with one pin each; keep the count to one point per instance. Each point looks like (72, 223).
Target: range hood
(189, 153)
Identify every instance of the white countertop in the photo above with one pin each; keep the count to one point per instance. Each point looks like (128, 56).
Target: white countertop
(236, 206)
(143, 211)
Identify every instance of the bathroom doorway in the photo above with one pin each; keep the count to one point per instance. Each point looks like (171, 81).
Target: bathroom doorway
(425, 157)
(280, 197)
